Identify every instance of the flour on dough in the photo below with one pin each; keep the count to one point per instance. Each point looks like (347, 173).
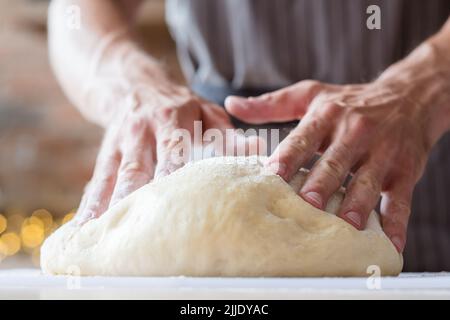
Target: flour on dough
(220, 217)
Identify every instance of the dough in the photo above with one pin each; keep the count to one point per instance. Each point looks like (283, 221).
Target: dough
(220, 217)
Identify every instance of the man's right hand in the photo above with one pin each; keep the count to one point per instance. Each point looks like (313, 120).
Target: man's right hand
(116, 84)
(139, 143)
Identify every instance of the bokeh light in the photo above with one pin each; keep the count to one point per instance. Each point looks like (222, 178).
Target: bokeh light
(25, 234)
(9, 244)
(3, 223)
(32, 235)
(46, 218)
(68, 217)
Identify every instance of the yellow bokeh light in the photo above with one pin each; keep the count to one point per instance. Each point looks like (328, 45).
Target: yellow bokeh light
(32, 235)
(45, 217)
(9, 244)
(26, 233)
(3, 223)
(33, 221)
(68, 217)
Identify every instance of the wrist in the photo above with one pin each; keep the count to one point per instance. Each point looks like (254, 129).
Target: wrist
(124, 79)
(147, 101)
(423, 79)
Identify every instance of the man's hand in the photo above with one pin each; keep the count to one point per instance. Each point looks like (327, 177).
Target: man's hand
(139, 143)
(381, 132)
(120, 86)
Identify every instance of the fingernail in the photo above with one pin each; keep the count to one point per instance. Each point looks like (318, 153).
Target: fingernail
(277, 168)
(398, 243)
(354, 217)
(314, 198)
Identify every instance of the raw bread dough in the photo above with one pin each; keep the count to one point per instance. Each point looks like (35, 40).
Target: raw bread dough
(220, 217)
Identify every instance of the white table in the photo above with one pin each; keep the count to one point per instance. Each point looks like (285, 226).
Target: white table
(31, 284)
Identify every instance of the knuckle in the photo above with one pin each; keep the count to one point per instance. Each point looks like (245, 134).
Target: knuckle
(169, 114)
(299, 143)
(400, 209)
(170, 111)
(132, 167)
(137, 125)
(165, 113)
(369, 183)
(329, 111)
(333, 168)
(340, 152)
(362, 123)
(316, 125)
(330, 106)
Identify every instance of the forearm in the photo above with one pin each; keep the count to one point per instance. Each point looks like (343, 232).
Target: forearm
(425, 76)
(101, 62)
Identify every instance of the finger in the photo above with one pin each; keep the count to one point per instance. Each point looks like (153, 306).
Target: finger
(395, 211)
(286, 104)
(329, 173)
(84, 199)
(362, 195)
(349, 144)
(134, 172)
(137, 166)
(298, 147)
(173, 147)
(102, 183)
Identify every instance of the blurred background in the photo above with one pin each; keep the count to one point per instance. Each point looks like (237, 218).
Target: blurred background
(47, 150)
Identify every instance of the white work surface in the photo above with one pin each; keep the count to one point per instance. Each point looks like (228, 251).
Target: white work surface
(32, 284)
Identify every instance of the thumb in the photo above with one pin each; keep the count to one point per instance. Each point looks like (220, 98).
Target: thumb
(283, 105)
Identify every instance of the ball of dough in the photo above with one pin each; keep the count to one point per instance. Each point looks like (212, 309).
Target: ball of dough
(222, 216)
